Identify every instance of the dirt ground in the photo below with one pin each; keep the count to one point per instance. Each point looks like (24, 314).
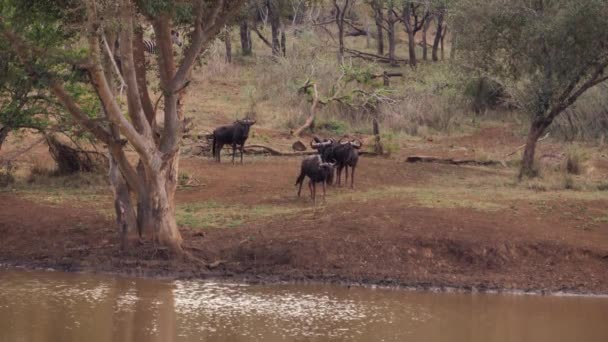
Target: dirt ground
(420, 225)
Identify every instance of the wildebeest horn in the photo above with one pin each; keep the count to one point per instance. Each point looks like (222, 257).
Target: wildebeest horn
(340, 141)
(356, 143)
(314, 144)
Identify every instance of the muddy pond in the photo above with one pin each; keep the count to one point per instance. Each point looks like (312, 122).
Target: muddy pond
(54, 306)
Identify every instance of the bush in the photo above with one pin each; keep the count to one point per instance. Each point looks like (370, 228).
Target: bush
(6, 175)
(333, 127)
(484, 94)
(575, 160)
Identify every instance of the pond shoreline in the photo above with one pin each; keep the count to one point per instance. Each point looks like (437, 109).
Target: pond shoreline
(251, 279)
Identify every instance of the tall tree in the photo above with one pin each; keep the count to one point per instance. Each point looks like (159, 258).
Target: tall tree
(154, 180)
(546, 53)
(377, 7)
(245, 34)
(340, 8)
(439, 15)
(414, 15)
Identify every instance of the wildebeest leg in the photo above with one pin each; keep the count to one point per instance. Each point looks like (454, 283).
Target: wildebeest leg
(310, 187)
(339, 172)
(233, 152)
(346, 175)
(352, 178)
(314, 192)
(323, 191)
(300, 188)
(242, 148)
(218, 150)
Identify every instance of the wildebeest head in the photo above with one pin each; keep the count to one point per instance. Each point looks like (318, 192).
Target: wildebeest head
(356, 143)
(175, 38)
(245, 125)
(317, 144)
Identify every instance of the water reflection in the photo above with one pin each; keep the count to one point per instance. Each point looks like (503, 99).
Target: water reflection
(47, 306)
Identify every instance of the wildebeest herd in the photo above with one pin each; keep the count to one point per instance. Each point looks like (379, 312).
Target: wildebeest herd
(333, 156)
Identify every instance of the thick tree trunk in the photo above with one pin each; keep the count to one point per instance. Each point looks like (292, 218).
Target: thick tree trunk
(3, 134)
(379, 18)
(126, 221)
(275, 26)
(411, 33)
(246, 46)
(438, 36)
(411, 44)
(228, 44)
(537, 128)
(157, 214)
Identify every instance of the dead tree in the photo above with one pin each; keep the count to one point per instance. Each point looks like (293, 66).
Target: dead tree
(313, 108)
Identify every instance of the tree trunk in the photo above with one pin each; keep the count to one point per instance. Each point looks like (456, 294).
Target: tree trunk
(126, 221)
(228, 45)
(425, 29)
(3, 134)
(438, 36)
(445, 30)
(246, 46)
(410, 30)
(379, 18)
(283, 42)
(275, 26)
(391, 37)
(157, 215)
(453, 45)
(411, 48)
(537, 128)
(340, 12)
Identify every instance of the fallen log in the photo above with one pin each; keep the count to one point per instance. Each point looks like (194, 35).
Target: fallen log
(452, 161)
(372, 57)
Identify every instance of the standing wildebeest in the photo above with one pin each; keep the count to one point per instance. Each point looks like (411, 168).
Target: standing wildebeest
(235, 135)
(344, 153)
(317, 172)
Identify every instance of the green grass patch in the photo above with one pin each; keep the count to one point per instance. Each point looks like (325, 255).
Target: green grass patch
(211, 214)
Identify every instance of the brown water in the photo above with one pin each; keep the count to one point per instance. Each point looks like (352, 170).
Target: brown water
(52, 306)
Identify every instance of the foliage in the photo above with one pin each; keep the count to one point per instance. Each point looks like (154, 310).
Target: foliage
(536, 49)
(24, 98)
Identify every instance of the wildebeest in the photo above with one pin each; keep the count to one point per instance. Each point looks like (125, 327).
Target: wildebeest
(235, 135)
(344, 153)
(318, 172)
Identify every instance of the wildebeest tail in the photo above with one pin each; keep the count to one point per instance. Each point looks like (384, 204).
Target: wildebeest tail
(300, 178)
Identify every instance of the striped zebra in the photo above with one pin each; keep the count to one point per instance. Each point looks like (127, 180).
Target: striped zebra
(151, 47)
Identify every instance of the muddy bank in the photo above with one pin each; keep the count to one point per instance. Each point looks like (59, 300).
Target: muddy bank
(419, 248)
